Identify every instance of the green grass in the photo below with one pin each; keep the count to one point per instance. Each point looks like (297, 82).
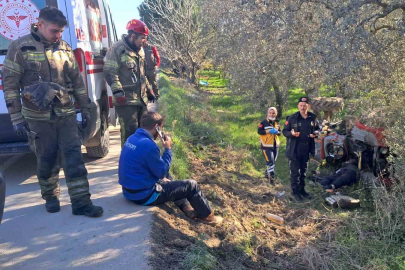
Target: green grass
(226, 120)
(199, 257)
(175, 124)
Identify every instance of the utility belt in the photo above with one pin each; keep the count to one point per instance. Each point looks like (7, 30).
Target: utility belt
(158, 188)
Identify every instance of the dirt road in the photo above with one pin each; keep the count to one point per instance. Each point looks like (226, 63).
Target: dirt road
(31, 238)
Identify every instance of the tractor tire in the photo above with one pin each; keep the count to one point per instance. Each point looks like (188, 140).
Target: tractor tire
(327, 104)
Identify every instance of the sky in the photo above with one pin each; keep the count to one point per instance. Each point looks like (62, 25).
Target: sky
(122, 12)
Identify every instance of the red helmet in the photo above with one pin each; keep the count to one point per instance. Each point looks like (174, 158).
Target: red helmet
(138, 27)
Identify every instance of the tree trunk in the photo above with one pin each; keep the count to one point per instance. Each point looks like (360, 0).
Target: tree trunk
(193, 74)
(279, 99)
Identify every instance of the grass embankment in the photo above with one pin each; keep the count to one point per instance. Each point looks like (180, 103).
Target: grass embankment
(216, 143)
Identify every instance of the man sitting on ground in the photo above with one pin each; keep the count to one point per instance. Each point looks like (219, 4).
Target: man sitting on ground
(142, 173)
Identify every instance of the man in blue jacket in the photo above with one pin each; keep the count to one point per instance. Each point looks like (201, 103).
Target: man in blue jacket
(142, 173)
(300, 130)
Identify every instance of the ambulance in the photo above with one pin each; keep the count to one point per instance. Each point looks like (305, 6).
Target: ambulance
(91, 31)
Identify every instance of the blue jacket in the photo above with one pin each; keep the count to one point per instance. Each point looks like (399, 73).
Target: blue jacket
(141, 166)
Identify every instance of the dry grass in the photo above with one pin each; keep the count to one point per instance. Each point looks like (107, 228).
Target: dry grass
(314, 236)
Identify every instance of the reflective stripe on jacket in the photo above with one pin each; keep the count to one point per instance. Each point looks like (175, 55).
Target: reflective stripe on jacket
(31, 60)
(124, 70)
(267, 140)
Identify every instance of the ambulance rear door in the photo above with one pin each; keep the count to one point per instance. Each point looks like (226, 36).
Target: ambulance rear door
(16, 18)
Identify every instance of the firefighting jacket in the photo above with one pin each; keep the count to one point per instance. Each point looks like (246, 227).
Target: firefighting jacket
(31, 60)
(124, 71)
(152, 57)
(268, 140)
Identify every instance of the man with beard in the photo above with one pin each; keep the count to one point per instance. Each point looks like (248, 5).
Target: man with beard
(143, 173)
(43, 66)
(125, 72)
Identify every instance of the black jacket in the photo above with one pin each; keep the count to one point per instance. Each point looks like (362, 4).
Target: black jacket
(292, 123)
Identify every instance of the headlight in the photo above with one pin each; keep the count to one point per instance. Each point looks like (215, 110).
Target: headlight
(383, 150)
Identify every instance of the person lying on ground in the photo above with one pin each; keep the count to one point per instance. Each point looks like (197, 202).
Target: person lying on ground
(143, 173)
(345, 176)
(269, 130)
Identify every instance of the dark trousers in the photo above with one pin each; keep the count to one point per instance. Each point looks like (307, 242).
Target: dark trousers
(130, 119)
(151, 76)
(270, 155)
(298, 167)
(46, 139)
(184, 192)
(339, 180)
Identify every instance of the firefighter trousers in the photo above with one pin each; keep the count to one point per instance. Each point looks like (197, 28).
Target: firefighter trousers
(151, 75)
(46, 139)
(130, 119)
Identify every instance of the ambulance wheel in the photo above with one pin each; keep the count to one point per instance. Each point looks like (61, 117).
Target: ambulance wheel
(103, 148)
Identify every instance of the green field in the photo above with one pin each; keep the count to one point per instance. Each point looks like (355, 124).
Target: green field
(212, 116)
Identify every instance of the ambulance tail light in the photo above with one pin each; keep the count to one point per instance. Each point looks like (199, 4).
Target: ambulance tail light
(81, 62)
(111, 102)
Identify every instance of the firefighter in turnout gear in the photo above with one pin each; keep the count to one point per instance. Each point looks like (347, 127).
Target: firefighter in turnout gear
(42, 65)
(300, 130)
(152, 59)
(269, 130)
(125, 72)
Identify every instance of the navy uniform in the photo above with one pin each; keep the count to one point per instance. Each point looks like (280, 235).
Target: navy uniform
(270, 144)
(299, 148)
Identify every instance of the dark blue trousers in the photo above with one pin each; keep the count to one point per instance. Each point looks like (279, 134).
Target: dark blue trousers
(184, 192)
(270, 155)
(298, 167)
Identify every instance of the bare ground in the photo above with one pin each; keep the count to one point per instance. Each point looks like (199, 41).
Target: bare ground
(246, 239)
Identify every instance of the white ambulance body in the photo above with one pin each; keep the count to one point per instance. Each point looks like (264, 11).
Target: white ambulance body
(90, 32)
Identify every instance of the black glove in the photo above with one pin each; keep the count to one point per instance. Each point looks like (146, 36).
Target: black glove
(22, 129)
(85, 118)
(152, 98)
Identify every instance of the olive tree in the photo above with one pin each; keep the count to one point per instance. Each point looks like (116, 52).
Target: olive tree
(179, 32)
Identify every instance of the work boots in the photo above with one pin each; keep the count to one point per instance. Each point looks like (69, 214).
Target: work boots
(189, 211)
(52, 205)
(297, 197)
(88, 210)
(305, 194)
(212, 220)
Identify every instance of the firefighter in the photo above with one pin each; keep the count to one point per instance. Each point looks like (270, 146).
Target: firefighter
(269, 130)
(125, 72)
(41, 64)
(152, 59)
(300, 130)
